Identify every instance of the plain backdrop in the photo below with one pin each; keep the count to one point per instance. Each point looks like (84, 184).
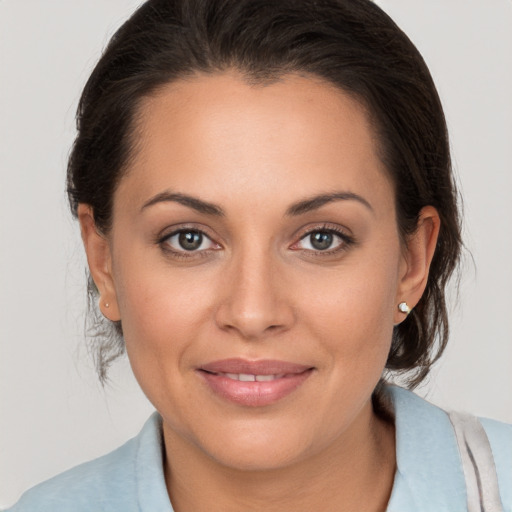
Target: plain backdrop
(53, 412)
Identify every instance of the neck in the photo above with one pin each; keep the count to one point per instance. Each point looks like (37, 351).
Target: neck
(354, 473)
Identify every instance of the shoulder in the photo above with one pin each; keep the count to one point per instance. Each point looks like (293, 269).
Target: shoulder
(500, 436)
(500, 439)
(107, 483)
(428, 458)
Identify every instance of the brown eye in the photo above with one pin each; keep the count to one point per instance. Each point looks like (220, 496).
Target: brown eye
(190, 240)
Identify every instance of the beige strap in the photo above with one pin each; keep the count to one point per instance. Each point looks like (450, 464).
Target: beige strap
(478, 464)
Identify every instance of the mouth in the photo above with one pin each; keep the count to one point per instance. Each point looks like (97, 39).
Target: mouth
(248, 377)
(253, 383)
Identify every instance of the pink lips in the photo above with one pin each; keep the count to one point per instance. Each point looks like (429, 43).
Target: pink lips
(253, 383)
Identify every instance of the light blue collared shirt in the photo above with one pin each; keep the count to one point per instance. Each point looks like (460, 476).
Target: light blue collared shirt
(429, 475)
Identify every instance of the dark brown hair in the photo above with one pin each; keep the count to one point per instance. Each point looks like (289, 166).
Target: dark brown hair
(352, 44)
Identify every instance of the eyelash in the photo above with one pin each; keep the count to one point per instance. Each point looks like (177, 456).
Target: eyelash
(347, 242)
(162, 241)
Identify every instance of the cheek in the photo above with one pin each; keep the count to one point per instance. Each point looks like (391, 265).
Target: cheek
(162, 311)
(162, 321)
(353, 309)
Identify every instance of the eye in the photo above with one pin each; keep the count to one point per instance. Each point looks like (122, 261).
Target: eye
(320, 240)
(189, 240)
(324, 240)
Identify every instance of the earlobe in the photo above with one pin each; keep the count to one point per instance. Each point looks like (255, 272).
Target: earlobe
(98, 253)
(418, 254)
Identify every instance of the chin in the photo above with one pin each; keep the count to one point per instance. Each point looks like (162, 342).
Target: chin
(263, 444)
(245, 457)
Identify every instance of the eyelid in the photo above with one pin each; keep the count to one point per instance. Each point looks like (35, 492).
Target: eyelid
(335, 229)
(204, 238)
(171, 231)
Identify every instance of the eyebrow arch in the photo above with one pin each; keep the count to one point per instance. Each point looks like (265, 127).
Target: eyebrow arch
(315, 202)
(186, 200)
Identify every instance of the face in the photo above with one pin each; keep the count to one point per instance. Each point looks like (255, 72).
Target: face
(255, 263)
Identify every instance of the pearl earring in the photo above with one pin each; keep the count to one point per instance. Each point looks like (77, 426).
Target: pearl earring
(107, 305)
(404, 308)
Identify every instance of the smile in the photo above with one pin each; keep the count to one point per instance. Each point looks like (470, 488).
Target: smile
(253, 383)
(247, 377)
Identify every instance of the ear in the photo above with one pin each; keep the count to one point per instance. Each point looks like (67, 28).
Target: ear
(417, 257)
(97, 249)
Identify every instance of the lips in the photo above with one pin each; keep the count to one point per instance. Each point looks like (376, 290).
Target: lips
(253, 383)
(248, 377)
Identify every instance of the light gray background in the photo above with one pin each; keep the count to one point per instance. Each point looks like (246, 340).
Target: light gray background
(53, 413)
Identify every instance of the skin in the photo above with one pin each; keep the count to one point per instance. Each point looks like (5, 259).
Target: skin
(257, 289)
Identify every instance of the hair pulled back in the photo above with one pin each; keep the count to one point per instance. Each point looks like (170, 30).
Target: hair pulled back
(352, 44)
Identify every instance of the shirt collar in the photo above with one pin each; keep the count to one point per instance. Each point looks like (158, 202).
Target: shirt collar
(151, 489)
(429, 473)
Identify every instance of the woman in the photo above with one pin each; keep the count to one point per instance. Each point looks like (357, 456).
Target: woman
(267, 208)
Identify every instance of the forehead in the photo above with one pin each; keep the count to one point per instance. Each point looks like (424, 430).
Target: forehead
(298, 134)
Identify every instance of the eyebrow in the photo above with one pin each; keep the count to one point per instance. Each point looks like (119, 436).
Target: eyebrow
(192, 202)
(300, 208)
(315, 202)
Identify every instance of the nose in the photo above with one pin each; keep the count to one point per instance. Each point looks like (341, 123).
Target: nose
(254, 300)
